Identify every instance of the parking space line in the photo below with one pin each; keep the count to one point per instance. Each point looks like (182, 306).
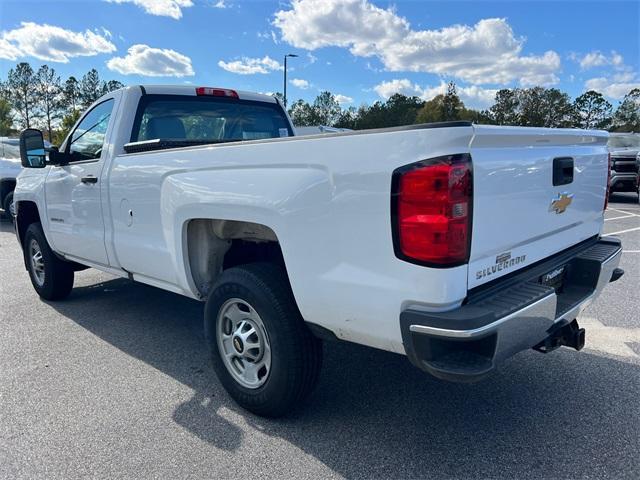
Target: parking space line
(623, 211)
(619, 218)
(631, 251)
(621, 231)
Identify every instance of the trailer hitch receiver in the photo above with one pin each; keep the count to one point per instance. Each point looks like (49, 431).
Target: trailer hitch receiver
(568, 334)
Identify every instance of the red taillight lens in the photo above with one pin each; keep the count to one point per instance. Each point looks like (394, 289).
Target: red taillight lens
(431, 205)
(216, 92)
(606, 194)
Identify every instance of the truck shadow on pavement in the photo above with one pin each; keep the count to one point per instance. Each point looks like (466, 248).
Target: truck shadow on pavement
(567, 414)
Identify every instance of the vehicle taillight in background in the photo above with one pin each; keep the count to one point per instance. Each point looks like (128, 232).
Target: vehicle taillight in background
(216, 92)
(431, 204)
(606, 195)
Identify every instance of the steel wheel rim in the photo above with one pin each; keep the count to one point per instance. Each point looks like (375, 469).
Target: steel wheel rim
(37, 262)
(243, 343)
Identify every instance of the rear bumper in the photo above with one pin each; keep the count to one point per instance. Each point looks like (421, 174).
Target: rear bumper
(513, 315)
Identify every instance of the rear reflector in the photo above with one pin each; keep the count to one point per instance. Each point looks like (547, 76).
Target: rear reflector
(216, 92)
(431, 208)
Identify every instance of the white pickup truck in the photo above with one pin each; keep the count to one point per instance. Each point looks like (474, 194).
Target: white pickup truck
(454, 244)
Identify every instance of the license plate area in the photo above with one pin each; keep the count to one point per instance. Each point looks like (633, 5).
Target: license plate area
(554, 278)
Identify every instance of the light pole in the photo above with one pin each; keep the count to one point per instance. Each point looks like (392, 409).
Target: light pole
(293, 55)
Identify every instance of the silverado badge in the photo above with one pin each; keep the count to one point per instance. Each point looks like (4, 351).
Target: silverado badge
(560, 204)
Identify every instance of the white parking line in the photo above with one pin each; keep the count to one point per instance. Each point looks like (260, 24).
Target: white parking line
(619, 218)
(631, 251)
(623, 211)
(621, 231)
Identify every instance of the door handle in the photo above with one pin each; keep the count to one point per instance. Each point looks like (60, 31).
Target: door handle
(89, 179)
(562, 171)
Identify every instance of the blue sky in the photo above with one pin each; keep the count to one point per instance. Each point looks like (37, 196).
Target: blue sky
(363, 50)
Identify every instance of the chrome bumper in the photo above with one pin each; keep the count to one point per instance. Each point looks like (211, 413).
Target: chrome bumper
(467, 343)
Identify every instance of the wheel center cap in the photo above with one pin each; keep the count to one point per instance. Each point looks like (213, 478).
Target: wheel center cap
(237, 344)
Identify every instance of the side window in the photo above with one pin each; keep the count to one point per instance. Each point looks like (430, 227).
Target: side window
(88, 138)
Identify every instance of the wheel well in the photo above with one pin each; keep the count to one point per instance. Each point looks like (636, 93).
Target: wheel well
(216, 245)
(6, 187)
(27, 213)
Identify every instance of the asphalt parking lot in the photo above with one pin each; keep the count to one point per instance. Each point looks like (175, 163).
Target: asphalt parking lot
(115, 382)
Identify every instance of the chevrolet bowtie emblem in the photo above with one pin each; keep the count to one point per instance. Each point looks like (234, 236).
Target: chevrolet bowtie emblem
(560, 204)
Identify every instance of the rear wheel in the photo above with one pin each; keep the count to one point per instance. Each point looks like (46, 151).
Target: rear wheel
(51, 277)
(262, 351)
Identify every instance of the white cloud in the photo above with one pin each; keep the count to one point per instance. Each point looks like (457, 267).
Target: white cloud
(487, 52)
(598, 59)
(343, 98)
(270, 35)
(52, 44)
(300, 83)
(615, 87)
(473, 96)
(403, 86)
(251, 66)
(220, 4)
(9, 51)
(162, 8)
(152, 62)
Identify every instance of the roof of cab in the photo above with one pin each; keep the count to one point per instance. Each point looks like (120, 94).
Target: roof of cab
(191, 90)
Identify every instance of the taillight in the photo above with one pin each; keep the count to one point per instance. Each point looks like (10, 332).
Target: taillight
(606, 194)
(431, 208)
(216, 92)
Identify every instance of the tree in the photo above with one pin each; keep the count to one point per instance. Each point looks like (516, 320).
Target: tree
(627, 116)
(592, 110)
(538, 107)
(326, 109)
(71, 93)
(302, 114)
(432, 110)
(22, 94)
(49, 91)
(371, 117)
(558, 110)
(347, 119)
(401, 110)
(111, 85)
(505, 110)
(6, 122)
(451, 105)
(90, 87)
(67, 123)
(531, 102)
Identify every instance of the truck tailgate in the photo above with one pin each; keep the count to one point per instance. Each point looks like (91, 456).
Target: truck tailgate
(522, 211)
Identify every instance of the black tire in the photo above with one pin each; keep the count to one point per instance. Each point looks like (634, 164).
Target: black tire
(6, 204)
(296, 355)
(58, 274)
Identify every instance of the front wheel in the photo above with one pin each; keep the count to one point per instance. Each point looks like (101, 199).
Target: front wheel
(7, 204)
(51, 277)
(262, 351)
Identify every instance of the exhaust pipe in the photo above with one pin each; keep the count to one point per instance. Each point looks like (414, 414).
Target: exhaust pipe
(568, 335)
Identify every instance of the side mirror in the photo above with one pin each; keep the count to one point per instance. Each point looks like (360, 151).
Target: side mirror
(32, 154)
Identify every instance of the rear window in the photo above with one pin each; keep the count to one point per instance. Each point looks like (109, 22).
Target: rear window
(207, 119)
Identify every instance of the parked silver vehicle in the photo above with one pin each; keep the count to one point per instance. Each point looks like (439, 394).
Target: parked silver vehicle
(9, 169)
(625, 166)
